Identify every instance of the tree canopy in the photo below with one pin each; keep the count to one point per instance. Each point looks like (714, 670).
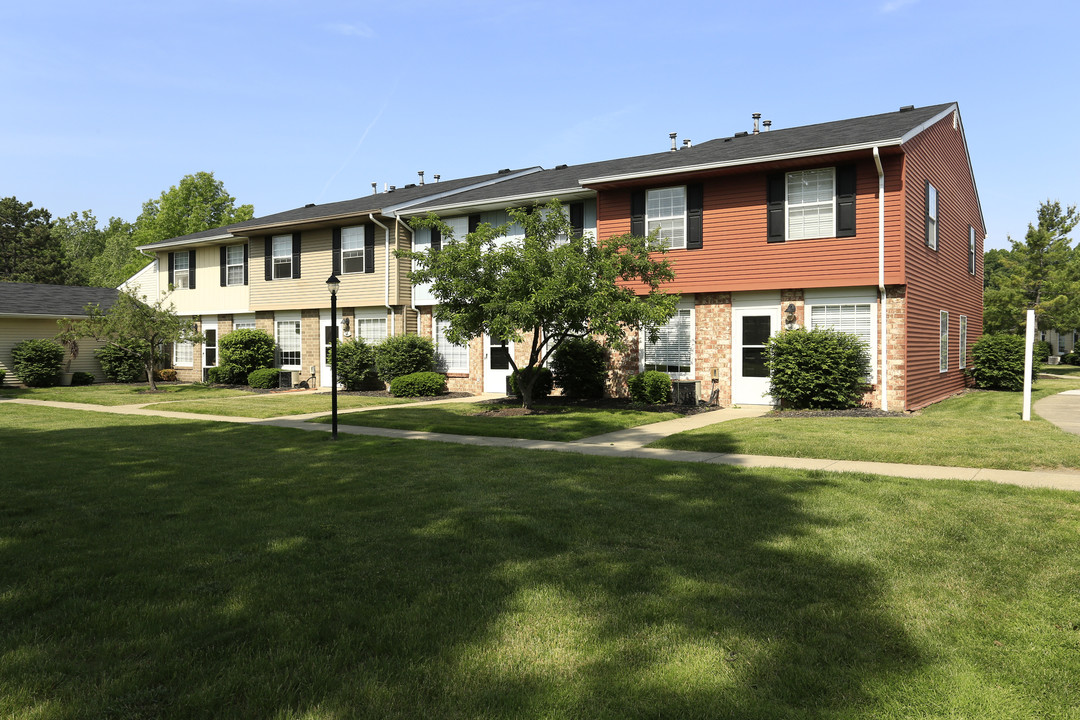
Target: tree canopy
(29, 250)
(543, 285)
(1042, 272)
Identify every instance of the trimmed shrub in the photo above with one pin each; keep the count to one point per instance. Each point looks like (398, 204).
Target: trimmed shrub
(226, 374)
(119, 365)
(1041, 351)
(1072, 358)
(651, 387)
(37, 362)
(165, 375)
(580, 364)
(404, 355)
(542, 386)
(3, 374)
(356, 366)
(82, 378)
(246, 350)
(420, 384)
(819, 369)
(998, 362)
(264, 378)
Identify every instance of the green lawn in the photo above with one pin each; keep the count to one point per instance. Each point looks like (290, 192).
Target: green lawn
(259, 572)
(120, 393)
(277, 404)
(559, 423)
(1070, 370)
(978, 429)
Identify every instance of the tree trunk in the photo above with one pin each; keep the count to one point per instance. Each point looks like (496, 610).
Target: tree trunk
(526, 390)
(149, 367)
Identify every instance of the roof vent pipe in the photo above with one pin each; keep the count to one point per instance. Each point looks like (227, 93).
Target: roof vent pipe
(757, 117)
(674, 147)
(384, 187)
(436, 177)
(421, 174)
(374, 188)
(687, 144)
(767, 124)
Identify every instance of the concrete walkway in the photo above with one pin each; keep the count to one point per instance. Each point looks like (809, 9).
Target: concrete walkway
(630, 442)
(1062, 409)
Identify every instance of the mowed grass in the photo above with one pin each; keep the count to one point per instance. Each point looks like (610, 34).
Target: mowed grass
(259, 572)
(120, 393)
(555, 422)
(277, 404)
(977, 429)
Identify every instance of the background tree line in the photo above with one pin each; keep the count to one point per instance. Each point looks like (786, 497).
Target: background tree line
(76, 250)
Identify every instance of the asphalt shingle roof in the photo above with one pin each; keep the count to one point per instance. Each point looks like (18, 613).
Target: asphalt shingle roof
(59, 300)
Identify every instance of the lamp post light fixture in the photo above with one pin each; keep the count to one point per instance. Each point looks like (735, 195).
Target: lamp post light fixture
(332, 283)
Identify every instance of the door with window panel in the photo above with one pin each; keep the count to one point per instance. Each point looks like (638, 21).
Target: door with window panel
(497, 368)
(754, 318)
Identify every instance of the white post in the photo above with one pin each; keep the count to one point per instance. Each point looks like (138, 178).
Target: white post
(1029, 345)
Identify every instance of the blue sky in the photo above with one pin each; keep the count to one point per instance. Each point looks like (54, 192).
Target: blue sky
(108, 104)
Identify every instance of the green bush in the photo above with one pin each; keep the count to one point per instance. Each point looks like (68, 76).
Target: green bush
(265, 378)
(651, 387)
(246, 350)
(82, 378)
(420, 384)
(226, 374)
(3, 374)
(1041, 351)
(1072, 358)
(404, 355)
(542, 386)
(37, 362)
(356, 366)
(119, 364)
(820, 369)
(998, 362)
(580, 364)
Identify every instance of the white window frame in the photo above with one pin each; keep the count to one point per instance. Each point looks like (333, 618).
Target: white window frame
(449, 358)
(185, 283)
(830, 204)
(352, 248)
(858, 297)
(931, 216)
(234, 264)
(971, 249)
(288, 338)
(282, 259)
(943, 342)
(184, 354)
(645, 348)
(674, 220)
(963, 341)
(370, 324)
(244, 322)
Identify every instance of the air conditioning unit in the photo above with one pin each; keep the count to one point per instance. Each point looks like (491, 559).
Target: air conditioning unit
(685, 392)
(288, 379)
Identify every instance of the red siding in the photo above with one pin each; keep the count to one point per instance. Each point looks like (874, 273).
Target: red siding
(940, 280)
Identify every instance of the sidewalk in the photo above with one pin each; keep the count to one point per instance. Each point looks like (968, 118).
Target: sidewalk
(630, 442)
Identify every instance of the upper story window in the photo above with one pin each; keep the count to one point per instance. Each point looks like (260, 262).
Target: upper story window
(352, 249)
(283, 247)
(811, 204)
(943, 348)
(181, 266)
(971, 250)
(665, 213)
(234, 265)
(931, 216)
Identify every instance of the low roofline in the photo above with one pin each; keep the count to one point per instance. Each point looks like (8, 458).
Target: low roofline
(506, 200)
(42, 316)
(188, 241)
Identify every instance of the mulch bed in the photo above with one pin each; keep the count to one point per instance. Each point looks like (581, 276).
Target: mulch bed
(850, 412)
(511, 407)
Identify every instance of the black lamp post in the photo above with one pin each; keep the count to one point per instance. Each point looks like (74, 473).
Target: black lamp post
(332, 283)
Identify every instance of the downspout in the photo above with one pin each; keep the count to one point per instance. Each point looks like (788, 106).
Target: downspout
(881, 280)
(386, 299)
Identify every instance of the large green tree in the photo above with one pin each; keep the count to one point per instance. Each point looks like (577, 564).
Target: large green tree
(1042, 272)
(82, 242)
(198, 202)
(550, 285)
(30, 250)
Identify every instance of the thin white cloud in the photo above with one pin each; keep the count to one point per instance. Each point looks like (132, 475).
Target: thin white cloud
(351, 30)
(894, 5)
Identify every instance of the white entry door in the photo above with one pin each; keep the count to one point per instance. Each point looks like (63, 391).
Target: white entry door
(210, 344)
(327, 334)
(754, 317)
(496, 365)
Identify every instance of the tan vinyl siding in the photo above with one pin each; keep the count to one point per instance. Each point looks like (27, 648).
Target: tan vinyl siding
(208, 297)
(400, 286)
(14, 330)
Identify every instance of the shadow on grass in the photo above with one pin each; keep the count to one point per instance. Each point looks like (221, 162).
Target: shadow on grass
(170, 569)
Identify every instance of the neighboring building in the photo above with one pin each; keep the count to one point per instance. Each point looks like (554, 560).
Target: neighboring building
(30, 311)
(872, 225)
(1062, 342)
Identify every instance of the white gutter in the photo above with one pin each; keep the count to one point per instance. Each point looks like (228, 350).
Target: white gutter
(574, 193)
(881, 281)
(386, 301)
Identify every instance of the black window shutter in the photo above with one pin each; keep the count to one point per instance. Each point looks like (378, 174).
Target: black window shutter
(296, 255)
(269, 258)
(222, 265)
(172, 276)
(191, 269)
(436, 239)
(845, 201)
(577, 219)
(695, 205)
(369, 248)
(637, 213)
(775, 207)
(474, 222)
(245, 264)
(335, 250)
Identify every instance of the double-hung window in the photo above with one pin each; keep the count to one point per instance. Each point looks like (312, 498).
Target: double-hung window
(855, 318)
(370, 324)
(234, 265)
(450, 358)
(283, 247)
(963, 341)
(352, 249)
(183, 354)
(181, 266)
(288, 342)
(811, 204)
(943, 347)
(971, 250)
(665, 213)
(673, 351)
(931, 217)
